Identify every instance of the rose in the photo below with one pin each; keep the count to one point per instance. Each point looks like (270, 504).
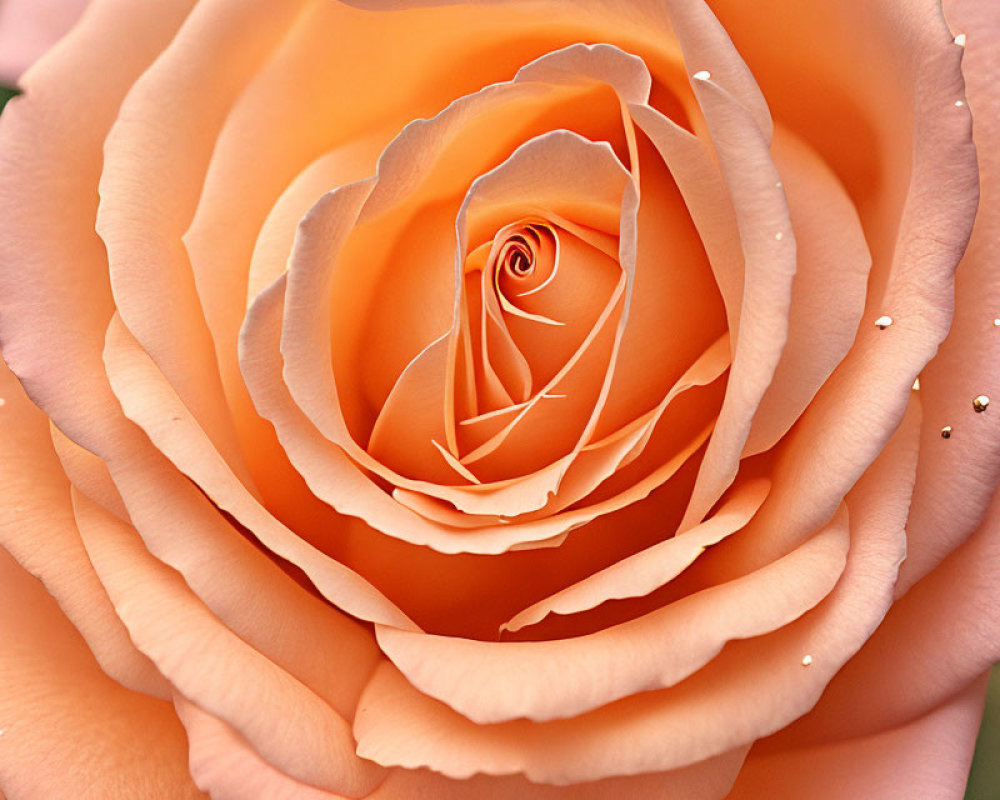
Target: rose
(30, 27)
(186, 542)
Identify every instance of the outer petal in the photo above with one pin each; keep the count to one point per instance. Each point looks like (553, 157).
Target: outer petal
(65, 724)
(37, 528)
(298, 728)
(968, 463)
(226, 766)
(28, 28)
(942, 634)
(51, 141)
(927, 759)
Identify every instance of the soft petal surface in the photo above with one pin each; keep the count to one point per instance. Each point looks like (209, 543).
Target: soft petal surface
(926, 759)
(65, 723)
(28, 28)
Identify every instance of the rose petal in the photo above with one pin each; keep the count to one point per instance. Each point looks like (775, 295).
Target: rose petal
(965, 365)
(28, 28)
(927, 759)
(213, 667)
(150, 144)
(87, 472)
(769, 252)
(761, 681)
(225, 765)
(939, 636)
(37, 528)
(653, 567)
(52, 139)
(149, 401)
(326, 467)
(674, 312)
(828, 292)
(65, 723)
(492, 682)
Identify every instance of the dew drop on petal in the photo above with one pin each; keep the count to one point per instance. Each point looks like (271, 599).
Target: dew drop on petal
(883, 322)
(946, 432)
(960, 40)
(807, 659)
(702, 75)
(959, 103)
(980, 403)
(779, 236)
(916, 385)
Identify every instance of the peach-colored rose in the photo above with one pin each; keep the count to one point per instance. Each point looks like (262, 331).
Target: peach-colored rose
(504, 400)
(30, 27)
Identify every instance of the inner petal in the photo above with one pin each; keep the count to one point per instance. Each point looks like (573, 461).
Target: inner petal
(552, 310)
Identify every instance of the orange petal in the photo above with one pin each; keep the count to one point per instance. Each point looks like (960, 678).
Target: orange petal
(224, 764)
(65, 723)
(51, 141)
(38, 529)
(927, 759)
(764, 676)
(208, 663)
(149, 145)
(398, 726)
(935, 639)
(769, 252)
(148, 400)
(331, 475)
(653, 567)
(966, 363)
(828, 292)
(492, 682)
(28, 28)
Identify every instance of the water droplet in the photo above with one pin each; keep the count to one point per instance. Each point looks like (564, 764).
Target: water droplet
(702, 75)
(980, 403)
(883, 322)
(960, 40)
(916, 385)
(959, 103)
(807, 659)
(996, 323)
(2, 402)
(946, 432)
(778, 185)
(779, 236)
